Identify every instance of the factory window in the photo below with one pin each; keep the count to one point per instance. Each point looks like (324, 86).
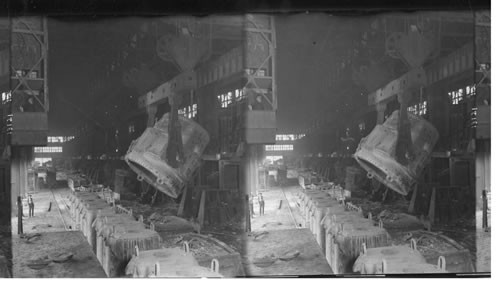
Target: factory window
(289, 137)
(59, 139)
(43, 160)
(279, 147)
(456, 96)
(192, 111)
(274, 158)
(195, 110)
(48, 149)
(470, 90)
(224, 99)
(285, 137)
(422, 108)
(413, 109)
(55, 139)
(418, 109)
(189, 111)
(238, 94)
(6, 97)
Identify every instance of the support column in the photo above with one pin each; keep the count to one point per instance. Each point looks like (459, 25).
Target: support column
(251, 169)
(151, 109)
(19, 172)
(381, 107)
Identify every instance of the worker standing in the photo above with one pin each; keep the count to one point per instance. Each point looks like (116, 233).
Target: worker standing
(31, 206)
(261, 204)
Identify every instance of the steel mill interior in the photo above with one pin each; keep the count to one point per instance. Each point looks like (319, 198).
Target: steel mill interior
(246, 145)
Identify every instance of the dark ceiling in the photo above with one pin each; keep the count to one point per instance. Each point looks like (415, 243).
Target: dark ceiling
(311, 52)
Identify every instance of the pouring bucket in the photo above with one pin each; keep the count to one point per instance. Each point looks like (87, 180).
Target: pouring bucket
(376, 152)
(147, 155)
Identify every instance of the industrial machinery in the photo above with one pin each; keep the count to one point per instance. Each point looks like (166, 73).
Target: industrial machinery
(25, 103)
(396, 152)
(168, 153)
(29, 49)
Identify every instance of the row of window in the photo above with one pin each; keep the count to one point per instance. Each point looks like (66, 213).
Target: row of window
(288, 137)
(230, 97)
(418, 109)
(27, 74)
(458, 95)
(59, 139)
(48, 149)
(189, 111)
(6, 97)
(286, 147)
(42, 160)
(274, 158)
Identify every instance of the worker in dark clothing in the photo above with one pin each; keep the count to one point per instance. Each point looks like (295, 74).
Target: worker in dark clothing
(29, 106)
(261, 204)
(19, 215)
(31, 206)
(258, 105)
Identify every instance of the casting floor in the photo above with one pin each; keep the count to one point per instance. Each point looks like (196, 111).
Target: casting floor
(284, 224)
(56, 238)
(279, 233)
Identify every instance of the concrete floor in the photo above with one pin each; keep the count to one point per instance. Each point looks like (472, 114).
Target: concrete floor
(275, 244)
(56, 237)
(283, 226)
(274, 218)
(57, 219)
(83, 264)
(282, 236)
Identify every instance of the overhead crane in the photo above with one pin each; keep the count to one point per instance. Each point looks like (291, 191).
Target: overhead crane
(249, 66)
(398, 161)
(411, 143)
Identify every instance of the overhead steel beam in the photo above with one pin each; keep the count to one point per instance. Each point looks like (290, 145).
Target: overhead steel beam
(447, 16)
(457, 62)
